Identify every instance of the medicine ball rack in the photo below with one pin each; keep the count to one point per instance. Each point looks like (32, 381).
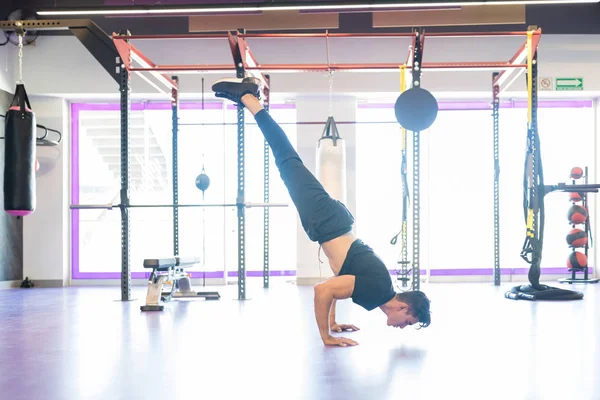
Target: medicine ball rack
(578, 269)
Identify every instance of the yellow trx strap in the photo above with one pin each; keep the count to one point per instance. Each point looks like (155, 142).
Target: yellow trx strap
(402, 89)
(530, 214)
(404, 182)
(530, 232)
(530, 77)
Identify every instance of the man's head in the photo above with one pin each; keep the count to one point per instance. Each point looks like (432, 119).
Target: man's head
(409, 308)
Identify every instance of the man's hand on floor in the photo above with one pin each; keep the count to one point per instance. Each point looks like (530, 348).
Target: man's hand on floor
(339, 341)
(335, 327)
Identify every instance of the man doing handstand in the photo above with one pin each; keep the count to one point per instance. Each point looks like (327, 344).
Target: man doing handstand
(358, 272)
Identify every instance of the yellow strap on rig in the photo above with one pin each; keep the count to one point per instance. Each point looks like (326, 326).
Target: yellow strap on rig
(530, 232)
(402, 89)
(529, 77)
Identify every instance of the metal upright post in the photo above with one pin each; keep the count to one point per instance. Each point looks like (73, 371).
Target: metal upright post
(241, 196)
(538, 195)
(536, 212)
(175, 158)
(586, 229)
(266, 180)
(495, 113)
(416, 82)
(125, 90)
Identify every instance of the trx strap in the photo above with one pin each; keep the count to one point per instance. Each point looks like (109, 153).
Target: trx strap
(404, 271)
(534, 191)
(404, 172)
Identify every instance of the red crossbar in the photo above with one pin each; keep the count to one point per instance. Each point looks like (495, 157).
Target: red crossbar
(318, 35)
(519, 57)
(127, 51)
(238, 41)
(336, 67)
(249, 61)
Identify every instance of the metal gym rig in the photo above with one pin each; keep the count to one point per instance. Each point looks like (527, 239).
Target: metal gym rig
(106, 49)
(246, 63)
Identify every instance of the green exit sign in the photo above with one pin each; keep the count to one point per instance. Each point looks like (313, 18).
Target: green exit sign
(569, 83)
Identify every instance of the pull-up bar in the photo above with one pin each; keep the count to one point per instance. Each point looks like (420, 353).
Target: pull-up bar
(320, 35)
(439, 66)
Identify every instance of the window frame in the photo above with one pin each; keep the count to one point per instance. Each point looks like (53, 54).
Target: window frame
(475, 105)
(76, 109)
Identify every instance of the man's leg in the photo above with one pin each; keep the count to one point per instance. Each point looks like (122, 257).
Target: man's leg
(323, 218)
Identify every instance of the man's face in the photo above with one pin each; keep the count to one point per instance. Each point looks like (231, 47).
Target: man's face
(401, 318)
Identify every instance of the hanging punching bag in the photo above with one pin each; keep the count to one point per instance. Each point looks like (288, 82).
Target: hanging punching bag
(331, 161)
(20, 156)
(202, 181)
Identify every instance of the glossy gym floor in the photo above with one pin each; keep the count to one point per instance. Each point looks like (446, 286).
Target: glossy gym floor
(82, 343)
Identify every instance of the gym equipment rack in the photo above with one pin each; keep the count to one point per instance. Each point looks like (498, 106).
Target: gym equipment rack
(587, 229)
(108, 48)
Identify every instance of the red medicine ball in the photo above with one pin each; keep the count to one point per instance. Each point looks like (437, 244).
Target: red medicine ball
(577, 260)
(577, 238)
(575, 197)
(577, 214)
(576, 173)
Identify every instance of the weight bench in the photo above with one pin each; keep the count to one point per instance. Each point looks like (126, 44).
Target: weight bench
(170, 271)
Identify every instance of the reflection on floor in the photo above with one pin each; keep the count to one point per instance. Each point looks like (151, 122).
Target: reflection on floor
(82, 343)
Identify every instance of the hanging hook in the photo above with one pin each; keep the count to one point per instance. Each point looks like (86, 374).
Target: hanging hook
(20, 32)
(330, 71)
(330, 93)
(202, 91)
(327, 48)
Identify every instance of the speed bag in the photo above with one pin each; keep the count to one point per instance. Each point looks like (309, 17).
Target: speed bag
(416, 109)
(331, 166)
(20, 156)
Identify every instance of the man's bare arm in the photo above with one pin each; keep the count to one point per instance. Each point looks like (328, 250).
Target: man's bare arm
(334, 326)
(339, 287)
(332, 314)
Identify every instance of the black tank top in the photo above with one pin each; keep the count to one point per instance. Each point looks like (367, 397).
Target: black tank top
(373, 283)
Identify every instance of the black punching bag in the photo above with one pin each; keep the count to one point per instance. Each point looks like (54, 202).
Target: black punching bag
(19, 156)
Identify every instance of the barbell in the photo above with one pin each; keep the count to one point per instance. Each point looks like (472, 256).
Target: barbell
(111, 206)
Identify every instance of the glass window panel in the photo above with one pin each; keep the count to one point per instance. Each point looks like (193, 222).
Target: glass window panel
(98, 150)
(457, 184)
(567, 141)
(202, 230)
(282, 229)
(151, 236)
(215, 229)
(99, 242)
